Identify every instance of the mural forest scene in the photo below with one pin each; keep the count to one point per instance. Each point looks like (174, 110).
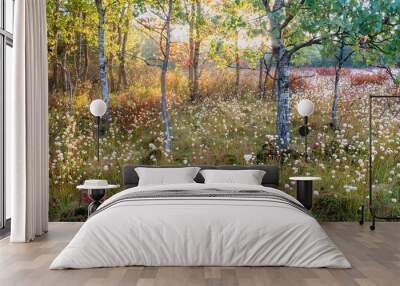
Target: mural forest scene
(217, 82)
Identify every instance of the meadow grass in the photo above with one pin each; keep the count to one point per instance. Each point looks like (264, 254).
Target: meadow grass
(224, 127)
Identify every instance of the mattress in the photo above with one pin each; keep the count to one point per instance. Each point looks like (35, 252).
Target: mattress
(201, 225)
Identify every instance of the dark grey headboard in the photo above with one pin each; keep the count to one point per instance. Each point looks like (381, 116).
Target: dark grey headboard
(271, 177)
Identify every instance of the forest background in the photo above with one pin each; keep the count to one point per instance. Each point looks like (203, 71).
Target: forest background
(217, 82)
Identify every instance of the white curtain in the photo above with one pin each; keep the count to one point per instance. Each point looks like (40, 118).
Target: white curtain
(27, 124)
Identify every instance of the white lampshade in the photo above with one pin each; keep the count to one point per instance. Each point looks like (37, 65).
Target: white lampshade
(305, 107)
(98, 107)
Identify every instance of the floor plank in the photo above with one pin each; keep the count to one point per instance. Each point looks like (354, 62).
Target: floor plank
(375, 257)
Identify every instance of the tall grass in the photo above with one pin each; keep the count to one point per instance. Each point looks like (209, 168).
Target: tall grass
(221, 129)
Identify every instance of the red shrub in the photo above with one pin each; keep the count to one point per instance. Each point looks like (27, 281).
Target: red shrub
(296, 83)
(330, 71)
(368, 78)
(325, 71)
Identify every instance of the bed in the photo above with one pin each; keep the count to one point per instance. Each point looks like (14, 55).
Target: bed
(198, 224)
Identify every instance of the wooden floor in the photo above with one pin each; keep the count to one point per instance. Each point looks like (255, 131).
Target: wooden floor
(375, 257)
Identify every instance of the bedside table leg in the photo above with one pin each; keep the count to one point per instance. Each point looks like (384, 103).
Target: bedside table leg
(96, 196)
(305, 193)
(92, 207)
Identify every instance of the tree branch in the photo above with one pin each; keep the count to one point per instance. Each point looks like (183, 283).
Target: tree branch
(147, 62)
(287, 21)
(348, 56)
(147, 26)
(242, 68)
(388, 71)
(290, 17)
(308, 43)
(162, 37)
(266, 5)
(162, 8)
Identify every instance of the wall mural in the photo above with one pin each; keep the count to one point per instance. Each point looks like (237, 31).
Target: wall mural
(217, 82)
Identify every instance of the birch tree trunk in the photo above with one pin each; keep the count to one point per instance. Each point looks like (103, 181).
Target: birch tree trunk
(85, 53)
(101, 51)
(85, 60)
(283, 101)
(79, 54)
(268, 74)
(336, 96)
(122, 41)
(55, 57)
(260, 77)
(191, 47)
(68, 83)
(110, 72)
(164, 107)
(122, 79)
(237, 60)
(196, 55)
(281, 87)
(341, 59)
(78, 60)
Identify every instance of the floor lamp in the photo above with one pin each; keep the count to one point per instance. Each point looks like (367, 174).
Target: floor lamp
(305, 108)
(98, 108)
(96, 188)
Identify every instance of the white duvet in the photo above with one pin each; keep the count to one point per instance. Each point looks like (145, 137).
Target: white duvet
(202, 232)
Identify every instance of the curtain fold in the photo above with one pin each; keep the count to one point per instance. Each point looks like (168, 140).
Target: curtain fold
(28, 123)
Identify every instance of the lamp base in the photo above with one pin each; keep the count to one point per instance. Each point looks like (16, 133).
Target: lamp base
(304, 130)
(95, 195)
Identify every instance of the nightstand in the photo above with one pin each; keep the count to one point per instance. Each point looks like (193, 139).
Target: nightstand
(96, 193)
(305, 190)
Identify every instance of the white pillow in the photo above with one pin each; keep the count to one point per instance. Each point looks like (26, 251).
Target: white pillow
(165, 176)
(248, 177)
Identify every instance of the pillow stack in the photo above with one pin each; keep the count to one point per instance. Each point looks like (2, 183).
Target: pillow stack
(185, 175)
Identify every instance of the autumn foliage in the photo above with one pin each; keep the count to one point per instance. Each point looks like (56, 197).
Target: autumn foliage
(296, 83)
(368, 78)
